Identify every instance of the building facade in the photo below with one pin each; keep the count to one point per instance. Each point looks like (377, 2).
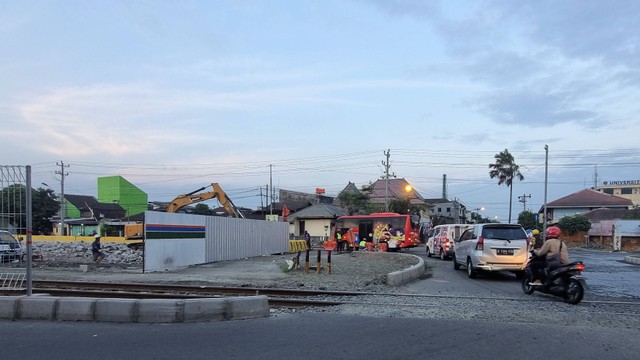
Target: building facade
(116, 189)
(628, 189)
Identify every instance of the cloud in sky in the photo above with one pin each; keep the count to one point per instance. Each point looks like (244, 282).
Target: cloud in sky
(174, 94)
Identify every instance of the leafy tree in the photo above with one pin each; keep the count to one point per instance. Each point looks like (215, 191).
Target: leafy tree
(528, 220)
(506, 170)
(354, 202)
(44, 204)
(573, 224)
(202, 209)
(400, 205)
(633, 214)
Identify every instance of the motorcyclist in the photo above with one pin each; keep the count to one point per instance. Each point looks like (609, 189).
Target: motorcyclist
(551, 247)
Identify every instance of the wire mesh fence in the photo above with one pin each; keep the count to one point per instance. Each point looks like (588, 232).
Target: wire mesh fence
(15, 226)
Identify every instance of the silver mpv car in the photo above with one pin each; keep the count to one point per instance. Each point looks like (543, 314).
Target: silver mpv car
(10, 248)
(492, 247)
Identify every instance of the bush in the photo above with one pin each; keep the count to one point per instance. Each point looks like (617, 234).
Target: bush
(573, 224)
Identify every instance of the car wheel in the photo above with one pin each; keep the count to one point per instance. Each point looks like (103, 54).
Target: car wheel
(428, 252)
(442, 255)
(471, 272)
(456, 266)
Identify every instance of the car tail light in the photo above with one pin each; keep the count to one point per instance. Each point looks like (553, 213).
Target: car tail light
(480, 243)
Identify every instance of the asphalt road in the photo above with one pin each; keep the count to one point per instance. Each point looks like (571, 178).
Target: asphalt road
(606, 272)
(315, 336)
(326, 335)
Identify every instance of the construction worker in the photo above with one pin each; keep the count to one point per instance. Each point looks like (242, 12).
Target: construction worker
(339, 240)
(98, 256)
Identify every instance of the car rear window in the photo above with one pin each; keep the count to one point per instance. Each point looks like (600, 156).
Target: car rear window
(503, 233)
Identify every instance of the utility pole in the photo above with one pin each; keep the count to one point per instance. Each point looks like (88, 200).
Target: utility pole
(387, 165)
(261, 203)
(63, 208)
(271, 189)
(546, 179)
(523, 200)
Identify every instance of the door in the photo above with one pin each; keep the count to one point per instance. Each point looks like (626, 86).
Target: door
(366, 230)
(302, 228)
(463, 246)
(432, 241)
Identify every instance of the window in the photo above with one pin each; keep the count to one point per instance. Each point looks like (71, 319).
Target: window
(467, 235)
(608, 191)
(448, 209)
(439, 209)
(626, 191)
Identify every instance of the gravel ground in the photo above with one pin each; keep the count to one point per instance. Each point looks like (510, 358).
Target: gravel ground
(358, 271)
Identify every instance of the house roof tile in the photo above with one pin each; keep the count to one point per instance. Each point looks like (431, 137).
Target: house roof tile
(589, 198)
(318, 211)
(396, 191)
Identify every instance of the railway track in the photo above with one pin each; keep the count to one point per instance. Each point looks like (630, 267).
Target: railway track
(277, 297)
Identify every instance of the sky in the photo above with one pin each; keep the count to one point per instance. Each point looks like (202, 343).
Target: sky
(175, 95)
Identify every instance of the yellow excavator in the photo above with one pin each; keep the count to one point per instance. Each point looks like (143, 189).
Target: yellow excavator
(197, 196)
(136, 231)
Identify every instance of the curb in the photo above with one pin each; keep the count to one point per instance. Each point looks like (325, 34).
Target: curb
(132, 310)
(632, 260)
(406, 275)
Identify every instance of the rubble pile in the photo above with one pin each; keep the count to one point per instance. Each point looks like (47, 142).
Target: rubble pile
(80, 253)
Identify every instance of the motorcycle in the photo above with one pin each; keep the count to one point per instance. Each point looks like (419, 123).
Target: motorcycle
(565, 281)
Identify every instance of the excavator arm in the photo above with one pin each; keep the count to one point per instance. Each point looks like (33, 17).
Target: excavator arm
(197, 196)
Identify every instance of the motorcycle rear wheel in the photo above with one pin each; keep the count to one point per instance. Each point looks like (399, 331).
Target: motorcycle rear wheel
(574, 293)
(526, 279)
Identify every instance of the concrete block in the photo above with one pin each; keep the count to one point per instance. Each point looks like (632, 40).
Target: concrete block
(37, 307)
(394, 278)
(160, 310)
(116, 310)
(247, 307)
(75, 309)
(8, 307)
(632, 260)
(205, 309)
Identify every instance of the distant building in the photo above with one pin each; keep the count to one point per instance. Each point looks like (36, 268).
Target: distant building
(628, 189)
(384, 190)
(116, 189)
(583, 201)
(444, 211)
(85, 213)
(315, 219)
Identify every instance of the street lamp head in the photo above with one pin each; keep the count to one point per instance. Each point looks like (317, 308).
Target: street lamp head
(408, 188)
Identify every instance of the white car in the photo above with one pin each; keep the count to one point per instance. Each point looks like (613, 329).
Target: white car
(10, 248)
(441, 243)
(492, 247)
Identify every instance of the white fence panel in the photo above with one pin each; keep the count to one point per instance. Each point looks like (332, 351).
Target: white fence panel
(178, 240)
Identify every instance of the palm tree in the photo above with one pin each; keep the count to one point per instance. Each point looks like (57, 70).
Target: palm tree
(506, 170)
